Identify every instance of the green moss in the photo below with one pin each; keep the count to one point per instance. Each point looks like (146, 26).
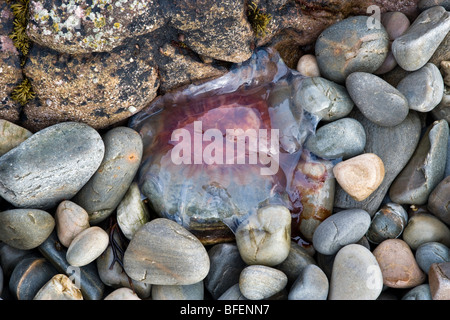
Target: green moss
(258, 20)
(23, 92)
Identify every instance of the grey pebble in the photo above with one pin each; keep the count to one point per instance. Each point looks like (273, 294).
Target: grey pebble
(101, 195)
(343, 138)
(50, 166)
(423, 228)
(431, 252)
(416, 46)
(426, 4)
(232, 293)
(178, 292)
(438, 201)
(87, 246)
(340, 229)
(420, 292)
(258, 282)
(442, 110)
(387, 223)
(297, 259)
(380, 102)
(423, 88)
(312, 284)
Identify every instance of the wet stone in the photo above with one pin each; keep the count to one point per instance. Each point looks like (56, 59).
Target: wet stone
(350, 46)
(387, 223)
(416, 46)
(421, 292)
(423, 228)
(439, 280)
(101, 195)
(50, 166)
(431, 252)
(178, 292)
(438, 201)
(70, 220)
(59, 287)
(11, 135)
(87, 246)
(258, 282)
(312, 284)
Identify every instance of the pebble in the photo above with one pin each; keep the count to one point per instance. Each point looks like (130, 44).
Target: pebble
(226, 265)
(378, 101)
(343, 138)
(416, 46)
(442, 110)
(132, 213)
(431, 252)
(427, 4)
(10, 257)
(312, 284)
(178, 292)
(324, 98)
(355, 275)
(122, 294)
(340, 229)
(438, 201)
(257, 282)
(40, 173)
(25, 228)
(425, 169)
(233, 293)
(87, 246)
(387, 223)
(11, 135)
(70, 220)
(101, 195)
(361, 175)
(307, 66)
(265, 237)
(163, 252)
(439, 280)
(423, 228)
(424, 88)
(298, 259)
(350, 46)
(59, 287)
(421, 292)
(398, 265)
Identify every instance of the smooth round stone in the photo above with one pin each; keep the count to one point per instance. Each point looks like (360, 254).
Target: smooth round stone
(25, 228)
(349, 46)
(398, 265)
(426, 4)
(324, 98)
(11, 135)
(340, 229)
(258, 282)
(298, 259)
(423, 88)
(59, 287)
(425, 169)
(233, 293)
(122, 294)
(395, 23)
(307, 66)
(421, 292)
(423, 228)
(416, 46)
(361, 175)
(439, 280)
(87, 246)
(312, 284)
(343, 138)
(103, 192)
(431, 252)
(438, 201)
(132, 213)
(226, 265)
(178, 292)
(50, 166)
(163, 252)
(356, 275)
(377, 100)
(70, 220)
(387, 223)
(265, 237)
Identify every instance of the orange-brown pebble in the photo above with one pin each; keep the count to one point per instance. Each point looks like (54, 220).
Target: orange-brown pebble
(439, 281)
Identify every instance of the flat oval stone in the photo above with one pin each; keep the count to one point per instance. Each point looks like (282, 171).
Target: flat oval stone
(163, 252)
(416, 46)
(378, 101)
(70, 220)
(423, 88)
(356, 275)
(340, 229)
(421, 292)
(87, 246)
(59, 287)
(50, 166)
(307, 66)
(423, 228)
(324, 98)
(438, 201)
(343, 138)
(25, 228)
(122, 294)
(431, 252)
(193, 291)
(387, 223)
(265, 237)
(258, 282)
(101, 195)
(312, 284)
(11, 135)
(361, 175)
(350, 45)
(425, 169)
(398, 265)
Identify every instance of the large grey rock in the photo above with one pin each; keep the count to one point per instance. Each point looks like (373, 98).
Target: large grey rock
(50, 166)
